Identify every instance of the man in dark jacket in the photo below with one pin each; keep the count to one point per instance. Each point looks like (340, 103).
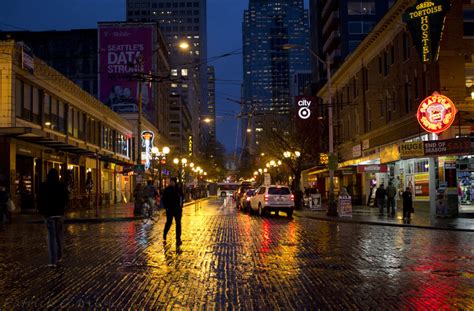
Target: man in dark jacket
(380, 195)
(172, 200)
(52, 200)
(407, 205)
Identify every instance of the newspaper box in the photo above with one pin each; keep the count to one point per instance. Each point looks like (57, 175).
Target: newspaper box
(315, 202)
(344, 206)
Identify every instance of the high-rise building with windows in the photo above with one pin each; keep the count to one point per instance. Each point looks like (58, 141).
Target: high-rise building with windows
(337, 28)
(210, 116)
(181, 21)
(269, 68)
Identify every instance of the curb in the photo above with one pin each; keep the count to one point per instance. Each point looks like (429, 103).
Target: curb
(364, 222)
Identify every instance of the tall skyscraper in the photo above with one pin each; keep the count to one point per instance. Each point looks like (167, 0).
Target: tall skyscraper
(337, 28)
(268, 68)
(211, 109)
(181, 21)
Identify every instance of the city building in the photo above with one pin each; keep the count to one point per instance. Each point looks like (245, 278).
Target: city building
(377, 92)
(209, 120)
(71, 52)
(75, 54)
(184, 26)
(180, 131)
(269, 68)
(337, 28)
(47, 121)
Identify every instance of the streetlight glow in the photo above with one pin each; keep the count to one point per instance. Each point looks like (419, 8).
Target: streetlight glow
(184, 160)
(166, 150)
(154, 150)
(176, 161)
(183, 45)
(207, 120)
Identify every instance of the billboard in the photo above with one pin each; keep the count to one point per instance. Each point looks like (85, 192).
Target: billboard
(125, 52)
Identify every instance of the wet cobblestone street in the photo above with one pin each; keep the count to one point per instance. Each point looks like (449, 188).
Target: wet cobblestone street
(230, 260)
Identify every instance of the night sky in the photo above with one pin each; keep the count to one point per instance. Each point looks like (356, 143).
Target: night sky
(224, 35)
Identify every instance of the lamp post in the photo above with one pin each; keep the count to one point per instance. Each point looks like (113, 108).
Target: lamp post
(332, 206)
(181, 164)
(160, 156)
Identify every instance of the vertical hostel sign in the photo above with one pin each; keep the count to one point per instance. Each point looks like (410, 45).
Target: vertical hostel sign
(425, 21)
(125, 52)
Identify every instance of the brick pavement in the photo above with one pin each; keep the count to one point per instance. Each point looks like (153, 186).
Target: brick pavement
(231, 260)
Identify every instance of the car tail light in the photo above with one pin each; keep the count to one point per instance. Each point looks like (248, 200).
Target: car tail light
(266, 197)
(292, 197)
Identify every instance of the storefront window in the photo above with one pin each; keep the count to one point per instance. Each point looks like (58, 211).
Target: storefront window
(61, 120)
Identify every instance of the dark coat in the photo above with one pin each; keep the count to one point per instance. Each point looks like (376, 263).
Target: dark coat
(172, 198)
(4, 197)
(380, 193)
(407, 200)
(52, 199)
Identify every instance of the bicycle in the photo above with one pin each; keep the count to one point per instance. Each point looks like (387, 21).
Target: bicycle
(148, 211)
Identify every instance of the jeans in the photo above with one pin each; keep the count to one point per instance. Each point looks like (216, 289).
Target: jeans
(391, 207)
(54, 224)
(176, 214)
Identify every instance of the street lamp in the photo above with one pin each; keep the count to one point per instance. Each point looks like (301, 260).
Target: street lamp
(160, 156)
(181, 163)
(332, 207)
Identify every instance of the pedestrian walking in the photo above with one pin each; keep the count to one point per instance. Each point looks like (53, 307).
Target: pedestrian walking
(172, 199)
(407, 204)
(52, 199)
(138, 195)
(391, 194)
(150, 193)
(380, 195)
(4, 199)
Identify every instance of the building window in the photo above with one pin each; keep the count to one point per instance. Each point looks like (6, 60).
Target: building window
(360, 8)
(385, 64)
(469, 22)
(407, 98)
(406, 46)
(360, 27)
(174, 72)
(353, 44)
(392, 55)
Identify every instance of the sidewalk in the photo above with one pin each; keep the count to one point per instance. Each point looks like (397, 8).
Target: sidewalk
(370, 216)
(114, 213)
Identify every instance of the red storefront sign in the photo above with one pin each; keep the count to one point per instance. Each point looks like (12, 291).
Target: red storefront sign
(436, 113)
(456, 146)
(376, 168)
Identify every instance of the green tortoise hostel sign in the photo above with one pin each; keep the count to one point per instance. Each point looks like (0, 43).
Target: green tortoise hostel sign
(425, 21)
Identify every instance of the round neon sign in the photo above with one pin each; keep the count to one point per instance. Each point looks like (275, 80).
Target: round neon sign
(436, 113)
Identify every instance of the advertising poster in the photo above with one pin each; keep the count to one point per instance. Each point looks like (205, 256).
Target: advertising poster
(422, 186)
(345, 206)
(124, 53)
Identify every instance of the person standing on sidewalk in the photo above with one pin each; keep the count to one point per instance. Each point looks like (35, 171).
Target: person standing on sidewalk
(407, 205)
(380, 198)
(52, 199)
(391, 193)
(4, 198)
(172, 199)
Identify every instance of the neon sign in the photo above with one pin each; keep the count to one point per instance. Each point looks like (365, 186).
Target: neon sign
(426, 22)
(436, 113)
(147, 143)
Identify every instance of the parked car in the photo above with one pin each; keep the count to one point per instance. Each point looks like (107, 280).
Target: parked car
(244, 202)
(227, 189)
(239, 193)
(272, 199)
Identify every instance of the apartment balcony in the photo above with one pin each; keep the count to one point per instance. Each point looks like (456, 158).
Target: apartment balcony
(332, 39)
(331, 22)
